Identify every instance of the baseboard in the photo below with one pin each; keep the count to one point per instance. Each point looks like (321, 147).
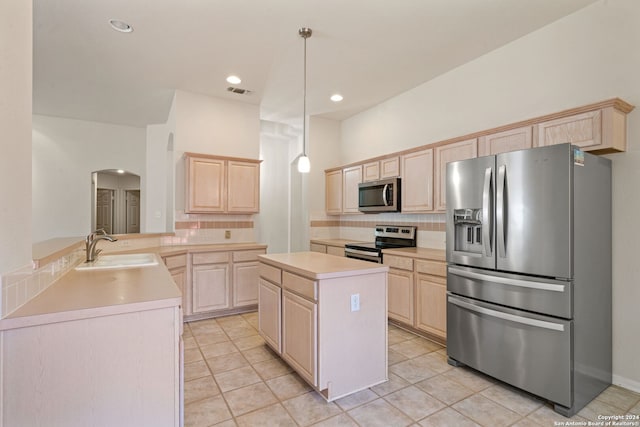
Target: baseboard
(626, 383)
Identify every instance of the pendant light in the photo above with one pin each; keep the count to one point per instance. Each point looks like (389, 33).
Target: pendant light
(304, 166)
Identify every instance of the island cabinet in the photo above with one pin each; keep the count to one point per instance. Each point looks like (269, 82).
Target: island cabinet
(417, 290)
(326, 317)
(221, 184)
(177, 266)
(223, 282)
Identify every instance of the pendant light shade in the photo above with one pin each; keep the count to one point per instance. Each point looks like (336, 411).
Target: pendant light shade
(304, 165)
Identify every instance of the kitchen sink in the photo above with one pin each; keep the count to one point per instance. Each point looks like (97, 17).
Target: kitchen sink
(120, 261)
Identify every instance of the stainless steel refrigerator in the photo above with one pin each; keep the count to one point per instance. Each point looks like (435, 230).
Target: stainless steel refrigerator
(529, 271)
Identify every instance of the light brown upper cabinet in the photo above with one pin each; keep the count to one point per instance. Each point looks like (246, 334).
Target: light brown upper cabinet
(444, 154)
(333, 192)
(381, 169)
(502, 142)
(221, 184)
(417, 181)
(351, 177)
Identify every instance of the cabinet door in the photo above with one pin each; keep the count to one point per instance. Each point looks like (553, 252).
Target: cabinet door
(269, 313)
(502, 142)
(351, 177)
(243, 193)
(245, 283)
(371, 171)
(210, 287)
(315, 247)
(205, 185)
(583, 130)
(390, 168)
(400, 296)
(300, 335)
(333, 192)
(450, 153)
(417, 181)
(432, 304)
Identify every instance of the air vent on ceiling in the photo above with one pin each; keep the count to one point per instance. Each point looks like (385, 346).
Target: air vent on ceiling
(239, 91)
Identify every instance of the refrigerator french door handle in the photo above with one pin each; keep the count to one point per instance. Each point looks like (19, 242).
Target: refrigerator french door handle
(384, 194)
(507, 316)
(501, 212)
(507, 281)
(486, 212)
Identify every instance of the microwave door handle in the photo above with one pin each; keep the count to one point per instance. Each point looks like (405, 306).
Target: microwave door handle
(384, 195)
(487, 194)
(501, 214)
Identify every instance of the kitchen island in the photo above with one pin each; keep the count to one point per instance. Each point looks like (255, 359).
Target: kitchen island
(326, 316)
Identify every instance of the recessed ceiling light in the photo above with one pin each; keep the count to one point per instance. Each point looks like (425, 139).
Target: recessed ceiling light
(234, 80)
(120, 26)
(336, 97)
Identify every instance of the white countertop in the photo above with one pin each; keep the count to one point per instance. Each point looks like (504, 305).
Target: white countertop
(317, 266)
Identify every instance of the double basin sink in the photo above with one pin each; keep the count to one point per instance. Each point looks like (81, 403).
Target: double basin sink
(120, 261)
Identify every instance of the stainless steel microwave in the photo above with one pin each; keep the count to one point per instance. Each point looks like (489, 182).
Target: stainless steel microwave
(379, 196)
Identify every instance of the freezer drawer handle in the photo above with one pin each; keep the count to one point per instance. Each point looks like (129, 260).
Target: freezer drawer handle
(507, 281)
(507, 316)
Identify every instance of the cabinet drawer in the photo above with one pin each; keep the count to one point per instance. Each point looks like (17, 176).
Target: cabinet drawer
(251, 255)
(270, 273)
(434, 268)
(335, 250)
(300, 285)
(398, 262)
(210, 258)
(175, 261)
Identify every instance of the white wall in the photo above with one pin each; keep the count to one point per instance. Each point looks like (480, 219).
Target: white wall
(586, 57)
(15, 136)
(65, 153)
(324, 153)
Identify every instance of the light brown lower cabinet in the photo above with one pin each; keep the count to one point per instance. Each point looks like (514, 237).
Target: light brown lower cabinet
(417, 294)
(269, 315)
(300, 337)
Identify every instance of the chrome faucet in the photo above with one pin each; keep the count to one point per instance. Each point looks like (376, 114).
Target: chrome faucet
(91, 241)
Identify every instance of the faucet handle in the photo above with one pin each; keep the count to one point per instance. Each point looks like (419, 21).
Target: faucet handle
(100, 231)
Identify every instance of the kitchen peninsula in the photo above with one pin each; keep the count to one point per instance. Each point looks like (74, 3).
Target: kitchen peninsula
(326, 316)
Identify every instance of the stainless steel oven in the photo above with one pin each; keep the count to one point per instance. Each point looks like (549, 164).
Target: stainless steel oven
(386, 236)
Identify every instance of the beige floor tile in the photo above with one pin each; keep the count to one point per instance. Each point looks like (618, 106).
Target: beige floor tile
(189, 343)
(394, 357)
(249, 398)
(596, 408)
(236, 332)
(237, 378)
(434, 361)
(470, 379)
(195, 370)
(379, 413)
(619, 397)
(447, 417)
(231, 321)
(288, 386)
(199, 389)
(226, 362)
(635, 410)
(414, 402)
(342, 420)
(186, 331)
(486, 412)
(511, 398)
(192, 355)
(445, 389)
(259, 354)
(395, 338)
(395, 383)
(274, 415)
(526, 422)
(272, 368)
(356, 399)
(546, 416)
(310, 408)
(245, 343)
(415, 347)
(206, 412)
(227, 423)
(218, 349)
(205, 327)
(401, 333)
(412, 370)
(207, 338)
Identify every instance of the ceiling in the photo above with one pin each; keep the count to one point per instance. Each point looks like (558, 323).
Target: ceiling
(367, 50)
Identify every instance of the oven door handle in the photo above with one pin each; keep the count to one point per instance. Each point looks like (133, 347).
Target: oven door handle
(358, 252)
(507, 281)
(507, 316)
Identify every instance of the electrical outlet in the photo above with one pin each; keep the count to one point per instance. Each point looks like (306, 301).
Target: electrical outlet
(355, 302)
(227, 234)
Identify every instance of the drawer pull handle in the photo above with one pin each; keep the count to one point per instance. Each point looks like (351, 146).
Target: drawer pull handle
(507, 281)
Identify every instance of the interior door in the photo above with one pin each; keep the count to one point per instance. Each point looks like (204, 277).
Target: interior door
(534, 211)
(133, 211)
(104, 209)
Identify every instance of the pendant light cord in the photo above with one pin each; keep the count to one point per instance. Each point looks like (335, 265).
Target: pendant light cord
(304, 101)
